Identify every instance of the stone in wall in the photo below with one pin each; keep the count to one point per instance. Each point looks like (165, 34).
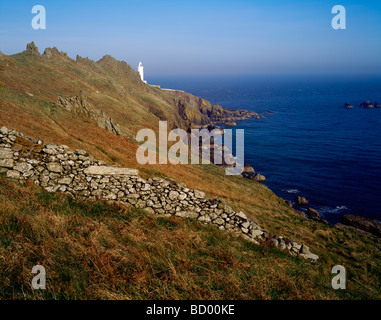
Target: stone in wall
(57, 168)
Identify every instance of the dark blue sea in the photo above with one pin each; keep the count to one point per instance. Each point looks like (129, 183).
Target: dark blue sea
(311, 145)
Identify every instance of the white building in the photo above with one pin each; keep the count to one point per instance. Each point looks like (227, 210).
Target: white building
(141, 71)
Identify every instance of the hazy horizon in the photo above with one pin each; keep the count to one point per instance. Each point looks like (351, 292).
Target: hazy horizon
(205, 37)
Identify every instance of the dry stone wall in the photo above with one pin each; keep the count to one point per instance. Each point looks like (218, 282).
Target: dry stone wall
(58, 169)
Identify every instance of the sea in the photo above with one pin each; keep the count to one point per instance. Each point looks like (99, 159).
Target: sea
(310, 145)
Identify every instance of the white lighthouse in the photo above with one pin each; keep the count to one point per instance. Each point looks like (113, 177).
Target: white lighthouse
(141, 71)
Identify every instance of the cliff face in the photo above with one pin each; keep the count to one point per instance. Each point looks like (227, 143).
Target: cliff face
(201, 112)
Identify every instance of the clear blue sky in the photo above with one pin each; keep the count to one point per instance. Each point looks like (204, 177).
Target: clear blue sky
(204, 36)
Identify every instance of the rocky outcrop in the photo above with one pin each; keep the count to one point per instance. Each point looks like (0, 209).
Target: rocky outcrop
(249, 173)
(80, 105)
(247, 168)
(201, 112)
(220, 115)
(314, 215)
(54, 52)
(361, 225)
(32, 48)
(56, 168)
(302, 201)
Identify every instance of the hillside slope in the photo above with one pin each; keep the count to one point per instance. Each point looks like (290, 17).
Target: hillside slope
(29, 90)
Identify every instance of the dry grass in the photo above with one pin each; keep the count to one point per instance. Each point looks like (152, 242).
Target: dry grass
(100, 251)
(259, 272)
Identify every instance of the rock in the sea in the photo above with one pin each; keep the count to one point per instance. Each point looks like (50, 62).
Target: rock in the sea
(302, 201)
(313, 214)
(247, 168)
(367, 104)
(368, 225)
(258, 177)
(348, 106)
(377, 105)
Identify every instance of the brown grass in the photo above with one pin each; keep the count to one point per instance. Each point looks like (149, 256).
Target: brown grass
(38, 117)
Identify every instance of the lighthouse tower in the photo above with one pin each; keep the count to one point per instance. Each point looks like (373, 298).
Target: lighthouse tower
(141, 71)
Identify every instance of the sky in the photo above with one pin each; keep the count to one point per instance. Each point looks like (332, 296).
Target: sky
(204, 37)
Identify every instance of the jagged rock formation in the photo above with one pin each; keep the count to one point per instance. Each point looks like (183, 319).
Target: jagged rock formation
(79, 104)
(32, 48)
(218, 114)
(56, 168)
(53, 52)
(201, 113)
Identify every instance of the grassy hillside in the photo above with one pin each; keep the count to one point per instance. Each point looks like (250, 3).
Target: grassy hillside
(100, 251)
(140, 256)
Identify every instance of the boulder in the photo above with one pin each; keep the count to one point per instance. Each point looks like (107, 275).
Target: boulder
(302, 201)
(309, 256)
(259, 178)
(247, 168)
(313, 214)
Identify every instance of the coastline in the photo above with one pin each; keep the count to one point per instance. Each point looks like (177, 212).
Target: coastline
(356, 223)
